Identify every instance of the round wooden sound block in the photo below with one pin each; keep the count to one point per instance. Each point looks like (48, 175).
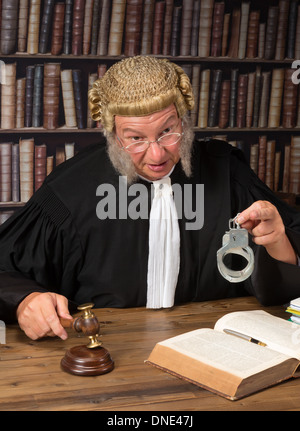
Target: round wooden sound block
(82, 361)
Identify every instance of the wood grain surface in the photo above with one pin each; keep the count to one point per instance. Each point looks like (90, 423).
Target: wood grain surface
(31, 377)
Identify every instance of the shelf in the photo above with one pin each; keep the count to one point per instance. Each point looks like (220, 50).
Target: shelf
(95, 130)
(187, 58)
(8, 205)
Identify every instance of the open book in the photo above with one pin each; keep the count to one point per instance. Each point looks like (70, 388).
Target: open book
(229, 365)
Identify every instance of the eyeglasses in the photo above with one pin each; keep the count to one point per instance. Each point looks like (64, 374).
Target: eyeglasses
(164, 141)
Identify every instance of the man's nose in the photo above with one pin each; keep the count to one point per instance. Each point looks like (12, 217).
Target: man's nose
(156, 151)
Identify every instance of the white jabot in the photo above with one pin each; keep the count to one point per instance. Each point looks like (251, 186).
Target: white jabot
(164, 246)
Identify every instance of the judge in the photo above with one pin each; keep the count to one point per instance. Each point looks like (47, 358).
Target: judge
(105, 227)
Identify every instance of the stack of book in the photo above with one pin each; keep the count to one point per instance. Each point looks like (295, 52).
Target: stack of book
(178, 28)
(294, 310)
(25, 165)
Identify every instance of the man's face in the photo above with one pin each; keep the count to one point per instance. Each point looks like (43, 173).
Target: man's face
(156, 161)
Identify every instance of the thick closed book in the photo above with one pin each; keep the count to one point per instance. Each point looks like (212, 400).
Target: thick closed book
(227, 364)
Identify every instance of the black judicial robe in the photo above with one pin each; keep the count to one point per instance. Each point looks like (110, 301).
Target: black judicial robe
(56, 242)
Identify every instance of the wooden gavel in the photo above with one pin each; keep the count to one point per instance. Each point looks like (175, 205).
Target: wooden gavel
(92, 359)
(88, 324)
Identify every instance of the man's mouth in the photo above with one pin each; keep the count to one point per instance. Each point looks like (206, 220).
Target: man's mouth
(158, 167)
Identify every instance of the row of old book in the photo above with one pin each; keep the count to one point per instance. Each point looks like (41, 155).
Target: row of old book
(25, 165)
(113, 27)
(50, 97)
(277, 165)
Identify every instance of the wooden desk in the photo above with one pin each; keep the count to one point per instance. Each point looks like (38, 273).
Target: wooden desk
(31, 377)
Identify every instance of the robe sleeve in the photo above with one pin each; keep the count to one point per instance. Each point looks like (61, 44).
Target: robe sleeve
(273, 282)
(39, 251)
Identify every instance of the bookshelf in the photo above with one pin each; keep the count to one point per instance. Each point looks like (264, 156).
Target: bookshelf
(232, 48)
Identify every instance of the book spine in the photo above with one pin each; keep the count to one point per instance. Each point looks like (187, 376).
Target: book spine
(290, 53)
(102, 46)
(58, 29)
(204, 98)
(77, 86)
(166, 44)
(29, 95)
(26, 147)
(286, 169)
(87, 26)
(214, 98)
(33, 27)
(253, 32)
(46, 26)
(282, 29)
(5, 172)
(158, 22)
(8, 97)
(224, 104)
(277, 170)
(250, 99)
(235, 33)
(276, 98)
(294, 181)
(49, 165)
(147, 27)
(51, 95)
(40, 171)
(262, 151)
(37, 99)
(245, 8)
(270, 163)
(90, 123)
(15, 173)
(196, 73)
(297, 35)
(217, 29)
(186, 27)
(264, 100)
(261, 40)
(271, 31)
(233, 97)
(175, 36)
(69, 150)
(116, 27)
(205, 26)
(77, 28)
(257, 96)
(225, 34)
(20, 102)
(289, 105)
(68, 98)
(195, 28)
(241, 100)
(254, 157)
(9, 26)
(23, 25)
(67, 45)
(133, 27)
(95, 26)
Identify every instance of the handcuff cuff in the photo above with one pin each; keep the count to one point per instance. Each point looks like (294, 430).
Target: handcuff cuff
(235, 241)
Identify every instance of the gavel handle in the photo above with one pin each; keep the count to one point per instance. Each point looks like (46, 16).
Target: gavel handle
(71, 323)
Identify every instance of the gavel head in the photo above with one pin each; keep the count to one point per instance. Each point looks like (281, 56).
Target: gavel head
(88, 324)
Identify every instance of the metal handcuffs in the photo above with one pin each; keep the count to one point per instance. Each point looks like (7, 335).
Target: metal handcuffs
(235, 241)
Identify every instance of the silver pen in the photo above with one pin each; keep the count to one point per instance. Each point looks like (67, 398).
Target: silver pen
(244, 337)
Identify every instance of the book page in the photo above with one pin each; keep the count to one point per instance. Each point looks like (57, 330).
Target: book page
(222, 351)
(279, 334)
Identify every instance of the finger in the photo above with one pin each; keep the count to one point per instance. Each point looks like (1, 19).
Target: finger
(62, 307)
(259, 210)
(51, 317)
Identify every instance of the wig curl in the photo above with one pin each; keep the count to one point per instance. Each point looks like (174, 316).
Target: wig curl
(139, 86)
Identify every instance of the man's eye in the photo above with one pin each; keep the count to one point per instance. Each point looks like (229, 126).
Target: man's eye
(168, 130)
(136, 138)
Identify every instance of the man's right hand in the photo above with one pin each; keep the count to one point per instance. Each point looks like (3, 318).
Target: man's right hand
(38, 315)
